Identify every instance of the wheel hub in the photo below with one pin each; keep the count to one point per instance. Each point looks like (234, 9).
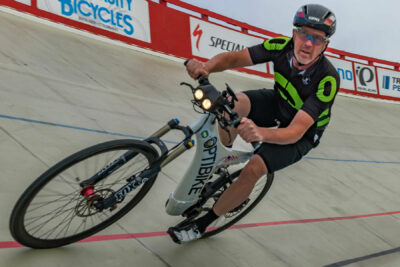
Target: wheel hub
(87, 205)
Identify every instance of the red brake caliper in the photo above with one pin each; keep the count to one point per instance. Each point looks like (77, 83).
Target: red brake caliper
(89, 193)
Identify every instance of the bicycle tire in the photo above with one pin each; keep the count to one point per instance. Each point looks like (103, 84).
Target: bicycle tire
(40, 189)
(213, 230)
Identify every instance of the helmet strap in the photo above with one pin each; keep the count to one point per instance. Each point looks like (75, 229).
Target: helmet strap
(298, 62)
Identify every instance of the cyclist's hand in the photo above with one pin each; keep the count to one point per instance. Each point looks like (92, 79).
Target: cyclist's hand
(196, 69)
(249, 131)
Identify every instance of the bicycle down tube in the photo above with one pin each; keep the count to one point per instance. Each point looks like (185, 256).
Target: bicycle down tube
(210, 154)
(136, 180)
(127, 156)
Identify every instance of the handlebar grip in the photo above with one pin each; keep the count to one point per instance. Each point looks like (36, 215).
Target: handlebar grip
(203, 80)
(236, 122)
(200, 78)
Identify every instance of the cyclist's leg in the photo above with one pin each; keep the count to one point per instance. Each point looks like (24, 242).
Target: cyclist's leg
(242, 107)
(233, 196)
(239, 191)
(269, 157)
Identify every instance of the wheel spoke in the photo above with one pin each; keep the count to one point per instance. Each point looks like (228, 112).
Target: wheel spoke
(54, 214)
(55, 228)
(44, 204)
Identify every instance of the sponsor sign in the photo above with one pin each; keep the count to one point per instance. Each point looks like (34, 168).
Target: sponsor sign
(345, 71)
(26, 2)
(365, 78)
(208, 40)
(389, 82)
(126, 17)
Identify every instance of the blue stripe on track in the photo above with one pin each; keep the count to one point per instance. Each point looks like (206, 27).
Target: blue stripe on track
(167, 141)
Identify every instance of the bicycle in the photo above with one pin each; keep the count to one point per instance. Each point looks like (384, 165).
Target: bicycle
(93, 188)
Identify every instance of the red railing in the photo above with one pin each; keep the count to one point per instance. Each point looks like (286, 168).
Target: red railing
(171, 34)
(206, 14)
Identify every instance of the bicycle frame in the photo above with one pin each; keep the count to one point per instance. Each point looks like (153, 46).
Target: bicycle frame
(210, 155)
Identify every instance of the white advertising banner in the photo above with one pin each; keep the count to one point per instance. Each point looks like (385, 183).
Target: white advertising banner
(345, 71)
(389, 82)
(26, 2)
(365, 78)
(126, 17)
(209, 40)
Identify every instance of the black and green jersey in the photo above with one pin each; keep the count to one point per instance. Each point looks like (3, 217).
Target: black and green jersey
(312, 90)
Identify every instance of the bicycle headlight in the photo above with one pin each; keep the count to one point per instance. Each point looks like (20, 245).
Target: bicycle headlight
(207, 97)
(206, 104)
(198, 94)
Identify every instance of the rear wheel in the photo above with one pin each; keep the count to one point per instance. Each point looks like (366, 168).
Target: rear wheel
(53, 212)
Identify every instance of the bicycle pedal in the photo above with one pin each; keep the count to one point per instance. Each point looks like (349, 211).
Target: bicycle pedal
(171, 233)
(238, 208)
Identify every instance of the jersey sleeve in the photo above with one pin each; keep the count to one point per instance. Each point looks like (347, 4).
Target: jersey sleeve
(318, 105)
(268, 50)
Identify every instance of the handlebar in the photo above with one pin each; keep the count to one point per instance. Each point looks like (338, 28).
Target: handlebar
(220, 102)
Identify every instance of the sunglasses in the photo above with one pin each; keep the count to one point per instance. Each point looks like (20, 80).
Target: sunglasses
(315, 39)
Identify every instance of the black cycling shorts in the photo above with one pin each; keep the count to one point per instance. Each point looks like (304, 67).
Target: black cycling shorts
(264, 113)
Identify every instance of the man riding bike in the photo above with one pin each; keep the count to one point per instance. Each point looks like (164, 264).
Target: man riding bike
(306, 84)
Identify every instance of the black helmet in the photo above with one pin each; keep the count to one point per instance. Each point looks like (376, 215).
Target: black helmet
(317, 17)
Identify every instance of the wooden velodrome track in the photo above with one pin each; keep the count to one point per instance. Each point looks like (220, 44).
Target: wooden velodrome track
(61, 92)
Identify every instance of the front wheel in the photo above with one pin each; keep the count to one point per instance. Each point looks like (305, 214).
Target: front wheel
(230, 218)
(52, 212)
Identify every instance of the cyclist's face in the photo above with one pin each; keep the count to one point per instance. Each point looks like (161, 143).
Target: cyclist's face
(308, 44)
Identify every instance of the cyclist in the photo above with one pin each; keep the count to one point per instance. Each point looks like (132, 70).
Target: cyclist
(306, 84)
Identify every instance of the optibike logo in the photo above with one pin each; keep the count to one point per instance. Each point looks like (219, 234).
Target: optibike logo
(207, 164)
(365, 79)
(112, 14)
(395, 83)
(197, 33)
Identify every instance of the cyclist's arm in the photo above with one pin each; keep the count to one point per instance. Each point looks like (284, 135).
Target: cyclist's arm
(282, 136)
(220, 62)
(229, 60)
(301, 122)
